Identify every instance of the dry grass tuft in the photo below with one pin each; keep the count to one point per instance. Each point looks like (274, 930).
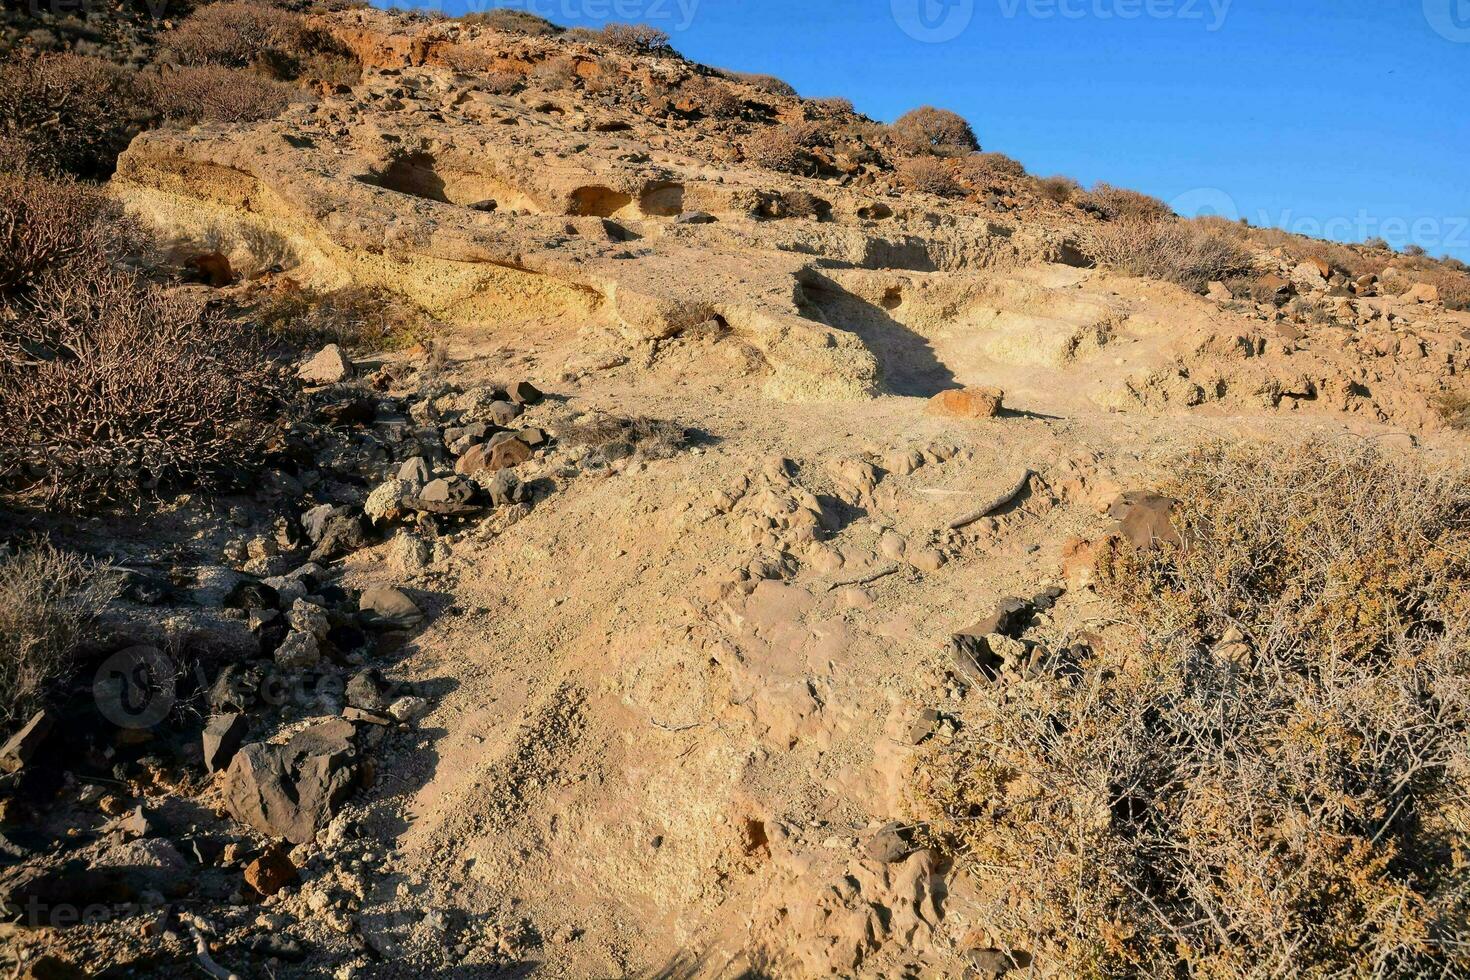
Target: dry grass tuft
(787, 148)
(1177, 251)
(48, 598)
(615, 438)
(1266, 772)
(1119, 202)
(1453, 408)
(513, 22)
(1058, 188)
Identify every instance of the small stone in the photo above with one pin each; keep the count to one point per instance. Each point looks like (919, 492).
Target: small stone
(271, 872)
(386, 606)
(298, 651)
(525, 393)
(23, 745)
(415, 471)
(508, 453)
(328, 367)
(408, 709)
(967, 403)
(307, 617)
(388, 500)
(927, 560)
(222, 737)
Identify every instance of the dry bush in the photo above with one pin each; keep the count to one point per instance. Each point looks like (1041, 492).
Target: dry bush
(1058, 188)
(502, 82)
(235, 34)
(711, 98)
(934, 130)
(128, 388)
(834, 106)
(1119, 202)
(769, 84)
(786, 148)
(637, 39)
(359, 318)
(48, 599)
(1415, 251)
(65, 113)
(513, 22)
(613, 438)
(1453, 408)
(930, 176)
(329, 67)
(56, 228)
(555, 74)
(1176, 251)
(1265, 772)
(988, 169)
(211, 93)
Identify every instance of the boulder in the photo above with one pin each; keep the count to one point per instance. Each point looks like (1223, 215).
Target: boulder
(271, 872)
(507, 453)
(1423, 292)
(447, 496)
(341, 535)
(298, 651)
(967, 403)
(1145, 519)
(385, 606)
(293, 790)
(505, 488)
(525, 393)
(328, 367)
(503, 413)
(389, 499)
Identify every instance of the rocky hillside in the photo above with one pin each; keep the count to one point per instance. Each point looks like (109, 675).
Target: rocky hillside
(673, 501)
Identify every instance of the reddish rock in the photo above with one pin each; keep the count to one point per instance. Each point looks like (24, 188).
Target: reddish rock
(271, 872)
(967, 403)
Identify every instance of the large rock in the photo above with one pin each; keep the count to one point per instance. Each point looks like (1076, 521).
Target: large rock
(22, 746)
(328, 367)
(454, 495)
(386, 606)
(967, 403)
(293, 790)
(1424, 292)
(389, 499)
(1145, 519)
(222, 737)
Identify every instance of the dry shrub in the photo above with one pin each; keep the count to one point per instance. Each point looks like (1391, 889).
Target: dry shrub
(1119, 202)
(637, 39)
(56, 228)
(935, 131)
(1266, 773)
(711, 98)
(1453, 408)
(513, 22)
(612, 438)
(786, 148)
(128, 388)
(1453, 285)
(502, 82)
(235, 34)
(988, 169)
(1176, 251)
(1058, 188)
(769, 84)
(65, 113)
(48, 599)
(329, 67)
(211, 93)
(555, 74)
(930, 176)
(359, 318)
(834, 106)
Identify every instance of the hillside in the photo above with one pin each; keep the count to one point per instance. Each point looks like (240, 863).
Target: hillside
(631, 589)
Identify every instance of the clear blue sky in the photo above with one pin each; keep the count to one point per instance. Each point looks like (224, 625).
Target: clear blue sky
(1345, 118)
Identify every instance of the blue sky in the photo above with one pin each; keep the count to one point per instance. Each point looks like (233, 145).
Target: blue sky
(1342, 118)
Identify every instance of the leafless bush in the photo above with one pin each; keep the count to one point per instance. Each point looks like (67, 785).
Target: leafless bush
(637, 39)
(48, 598)
(235, 34)
(769, 84)
(65, 113)
(56, 228)
(211, 93)
(1453, 408)
(615, 438)
(1177, 251)
(1119, 202)
(930, 176)
(555, 74)
(359, 318)
(1058, 188)
(502, 82)
(989, 169)
(711, 98)
(786, 148)
(513, 22)
(329, 67)
(833, 106)
(935, 131)
(127, 388)
(1263, 771)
